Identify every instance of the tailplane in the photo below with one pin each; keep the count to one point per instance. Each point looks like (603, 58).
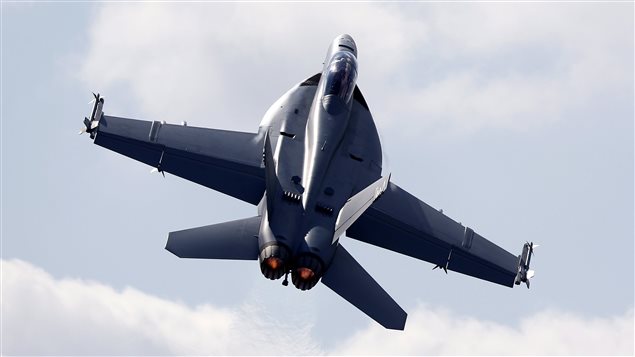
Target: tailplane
(236, 240)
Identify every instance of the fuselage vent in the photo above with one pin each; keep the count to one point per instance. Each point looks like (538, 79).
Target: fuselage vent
(292, 197)
(322, 208)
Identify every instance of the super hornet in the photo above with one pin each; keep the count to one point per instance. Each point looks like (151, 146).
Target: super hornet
(314, 170)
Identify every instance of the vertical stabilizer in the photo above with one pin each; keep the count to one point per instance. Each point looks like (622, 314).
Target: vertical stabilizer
(349, 280)
(272, 184)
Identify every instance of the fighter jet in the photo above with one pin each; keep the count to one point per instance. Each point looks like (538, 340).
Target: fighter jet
(314, 171)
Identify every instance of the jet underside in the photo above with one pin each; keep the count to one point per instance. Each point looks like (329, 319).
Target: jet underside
(314, 169)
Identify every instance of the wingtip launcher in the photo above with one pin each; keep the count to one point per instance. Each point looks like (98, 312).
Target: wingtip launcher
(95, 115)
(524, 273)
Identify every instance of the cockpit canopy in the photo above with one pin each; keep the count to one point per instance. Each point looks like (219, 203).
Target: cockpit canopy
(341, 75)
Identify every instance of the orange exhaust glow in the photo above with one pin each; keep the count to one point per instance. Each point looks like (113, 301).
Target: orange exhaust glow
(305, 273)
(273, 262)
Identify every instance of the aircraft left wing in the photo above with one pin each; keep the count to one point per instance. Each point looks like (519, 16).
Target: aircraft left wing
(226, 161)
(400, 222)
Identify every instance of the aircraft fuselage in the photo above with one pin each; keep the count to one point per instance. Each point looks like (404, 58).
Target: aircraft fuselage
(326, 150)
(315, 171)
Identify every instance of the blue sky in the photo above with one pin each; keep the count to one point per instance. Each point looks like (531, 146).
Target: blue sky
(515, 118)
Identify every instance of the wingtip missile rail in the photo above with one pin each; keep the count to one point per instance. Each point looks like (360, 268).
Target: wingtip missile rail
(524, 260)
(92, 123)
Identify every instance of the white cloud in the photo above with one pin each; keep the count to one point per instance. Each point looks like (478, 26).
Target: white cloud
(216, 60)
(440, 332)
(463, 67)
(519, 66)
(44, 315)
(466, 101)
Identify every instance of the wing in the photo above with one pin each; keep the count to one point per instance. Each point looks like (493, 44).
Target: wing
(226, 161)
(400, 222)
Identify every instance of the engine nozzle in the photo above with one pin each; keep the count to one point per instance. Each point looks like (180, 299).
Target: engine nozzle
(307, 272)
(273, 261)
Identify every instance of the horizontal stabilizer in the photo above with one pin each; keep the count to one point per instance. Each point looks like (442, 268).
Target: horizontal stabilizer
(236, 240)
(349, 280)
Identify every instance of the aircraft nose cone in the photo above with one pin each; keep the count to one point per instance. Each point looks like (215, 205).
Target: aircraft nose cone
(346, 41)
(346, 37)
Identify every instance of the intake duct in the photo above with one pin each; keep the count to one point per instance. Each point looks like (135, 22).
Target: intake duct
(274, 260)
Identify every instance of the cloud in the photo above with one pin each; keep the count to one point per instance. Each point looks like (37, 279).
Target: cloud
(215, 60)
(440, 332)
(463, 68)
(518, 66)
(44, 315)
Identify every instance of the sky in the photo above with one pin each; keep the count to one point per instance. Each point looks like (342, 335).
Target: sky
(515, 118)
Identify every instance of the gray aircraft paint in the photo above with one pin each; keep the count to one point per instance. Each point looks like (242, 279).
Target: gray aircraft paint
(316, 157)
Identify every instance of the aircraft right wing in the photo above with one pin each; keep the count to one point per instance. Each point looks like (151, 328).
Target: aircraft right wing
(226, 161)
(400, 222)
